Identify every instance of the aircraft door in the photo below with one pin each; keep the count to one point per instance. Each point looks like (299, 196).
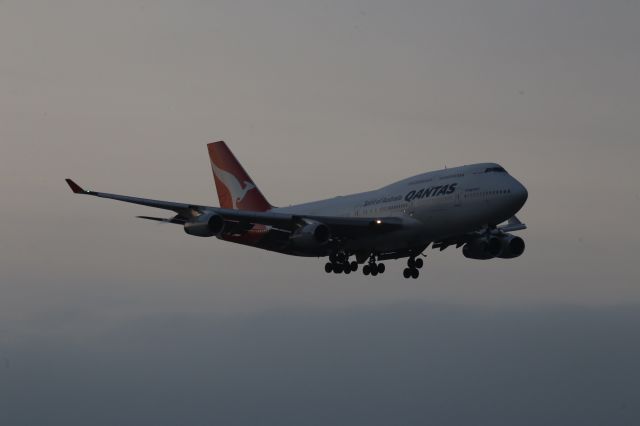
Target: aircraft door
(409, 208)
(457, 199)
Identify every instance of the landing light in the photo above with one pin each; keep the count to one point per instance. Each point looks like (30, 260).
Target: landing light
(378, 222)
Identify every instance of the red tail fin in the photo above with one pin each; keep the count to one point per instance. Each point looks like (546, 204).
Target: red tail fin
(235, 188)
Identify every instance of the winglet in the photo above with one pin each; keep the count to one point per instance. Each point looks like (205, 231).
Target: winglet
(75, 187)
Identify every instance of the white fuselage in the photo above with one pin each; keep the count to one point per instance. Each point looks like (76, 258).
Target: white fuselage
(436, 205)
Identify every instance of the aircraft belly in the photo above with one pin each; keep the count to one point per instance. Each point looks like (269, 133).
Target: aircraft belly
(398, 240)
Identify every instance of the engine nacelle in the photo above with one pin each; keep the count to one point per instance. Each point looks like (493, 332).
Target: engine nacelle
(205, 225)
(482, 248)
(512, 246)
(313, 234)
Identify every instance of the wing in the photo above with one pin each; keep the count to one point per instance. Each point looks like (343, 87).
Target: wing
(512, 225)
(340, 226)
(183, 211)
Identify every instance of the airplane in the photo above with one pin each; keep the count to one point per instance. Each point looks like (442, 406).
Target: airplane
(472, 207)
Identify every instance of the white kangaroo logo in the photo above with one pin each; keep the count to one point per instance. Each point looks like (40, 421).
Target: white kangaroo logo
(233, 185)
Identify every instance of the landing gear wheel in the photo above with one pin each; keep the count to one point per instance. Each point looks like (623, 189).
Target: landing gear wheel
(411, 263)
(406, 273)
(418, 263)
(414, 273)
(374, 270)
(347, 269)
(337, 268)
(328, 267)
(381, 268)
(354, 266)
(366, 269)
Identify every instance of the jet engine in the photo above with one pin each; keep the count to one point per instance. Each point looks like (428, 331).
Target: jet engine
(313, 234)
(512, 246)
(482, 248)
(205, 225)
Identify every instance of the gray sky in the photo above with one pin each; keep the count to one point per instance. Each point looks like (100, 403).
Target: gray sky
(316, 98)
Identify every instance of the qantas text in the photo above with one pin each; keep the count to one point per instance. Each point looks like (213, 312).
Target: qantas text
(431, 191)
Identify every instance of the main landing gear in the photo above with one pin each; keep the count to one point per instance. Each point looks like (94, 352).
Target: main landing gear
(413, 264)
(373, 268)
(339, 264)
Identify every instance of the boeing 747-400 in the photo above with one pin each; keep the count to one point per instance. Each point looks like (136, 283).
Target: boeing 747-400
(471, 206)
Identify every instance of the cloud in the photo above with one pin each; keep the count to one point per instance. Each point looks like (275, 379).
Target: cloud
(402, 364)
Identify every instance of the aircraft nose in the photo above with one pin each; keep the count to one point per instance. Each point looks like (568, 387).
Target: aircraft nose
(520, 192)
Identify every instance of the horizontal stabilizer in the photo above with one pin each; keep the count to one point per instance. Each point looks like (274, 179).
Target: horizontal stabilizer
(164, 219)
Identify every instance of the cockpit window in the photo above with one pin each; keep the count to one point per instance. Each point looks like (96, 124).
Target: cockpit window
(495, 169)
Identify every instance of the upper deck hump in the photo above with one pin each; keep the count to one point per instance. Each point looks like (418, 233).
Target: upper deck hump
(442, 174)
(421, 179)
